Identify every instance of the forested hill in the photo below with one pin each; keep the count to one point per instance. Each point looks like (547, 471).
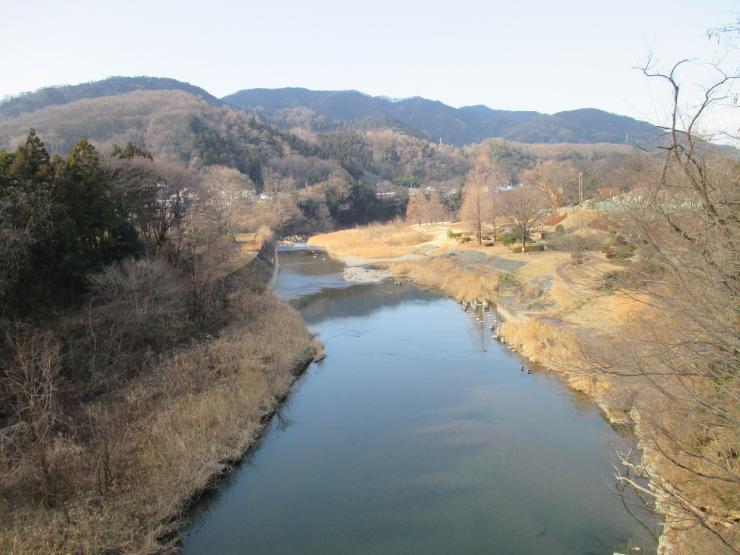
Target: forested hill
(457, 126)
(176, 125)
(55, 96)
(332, 111)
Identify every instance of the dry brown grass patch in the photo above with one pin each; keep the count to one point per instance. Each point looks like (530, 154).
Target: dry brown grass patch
(461, 283)
(372, 241)
(169, 433)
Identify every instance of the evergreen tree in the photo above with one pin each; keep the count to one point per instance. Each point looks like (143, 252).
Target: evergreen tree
(131, 150)
(31, 162)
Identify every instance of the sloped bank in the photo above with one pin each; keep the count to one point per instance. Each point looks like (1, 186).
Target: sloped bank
(554, 344)
(170, 432)
(560, 346)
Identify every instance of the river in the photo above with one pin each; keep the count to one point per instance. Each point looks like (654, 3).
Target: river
(418, 434)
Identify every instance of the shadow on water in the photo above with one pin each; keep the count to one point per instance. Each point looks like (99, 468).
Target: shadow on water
(419, 434)
(279, 422)
(356, 300)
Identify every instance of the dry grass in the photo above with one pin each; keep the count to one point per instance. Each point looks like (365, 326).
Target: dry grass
(246, 247)
(555, 345)
(579, 219)
(169, 433)
(554, 219)
(460, 283)
(373, 241)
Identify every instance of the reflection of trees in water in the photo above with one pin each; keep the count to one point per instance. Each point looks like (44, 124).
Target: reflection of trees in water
(479, 329)
(638, 506)
(309, 262)
(356, 300)
(282, 421)
(279, 422)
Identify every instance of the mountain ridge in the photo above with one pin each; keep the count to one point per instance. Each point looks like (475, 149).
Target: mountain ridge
(457, 126)
(33, 101)
(327, 110)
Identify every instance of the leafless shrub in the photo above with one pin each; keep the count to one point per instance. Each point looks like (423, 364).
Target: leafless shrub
(33, 443)
(108, 434)
(574, 242)
(683, 350)
(136, 308)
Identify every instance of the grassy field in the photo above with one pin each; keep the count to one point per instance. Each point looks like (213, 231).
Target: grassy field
(374, 241)
(571, 293)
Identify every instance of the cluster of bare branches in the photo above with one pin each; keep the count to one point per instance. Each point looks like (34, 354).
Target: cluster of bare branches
(482, 202)
(684, 348)
(425, 210)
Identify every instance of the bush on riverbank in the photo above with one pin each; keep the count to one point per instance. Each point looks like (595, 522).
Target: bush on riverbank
(126, 463)
(138, 348)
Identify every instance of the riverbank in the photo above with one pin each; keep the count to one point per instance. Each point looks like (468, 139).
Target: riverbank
(545, 313)
(418, 434)
(554, 313)
(149, 446)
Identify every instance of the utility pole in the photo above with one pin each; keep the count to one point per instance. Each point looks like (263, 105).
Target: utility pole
(580, 187)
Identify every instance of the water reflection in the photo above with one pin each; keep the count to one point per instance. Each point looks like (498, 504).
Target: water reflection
(310, 271)
(355, 300)
(418, 434)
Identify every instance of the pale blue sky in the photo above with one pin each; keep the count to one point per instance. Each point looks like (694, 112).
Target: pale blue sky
(517, 54)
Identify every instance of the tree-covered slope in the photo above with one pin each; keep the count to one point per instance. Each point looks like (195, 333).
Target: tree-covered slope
(54, 96)
(170, 124)
(333, 111)
(177, 125)
(457, 126)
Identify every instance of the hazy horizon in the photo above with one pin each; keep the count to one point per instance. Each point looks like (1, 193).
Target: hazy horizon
(7, 98)
(526, 56)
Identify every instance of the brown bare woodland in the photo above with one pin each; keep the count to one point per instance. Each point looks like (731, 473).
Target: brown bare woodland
(683, 352)
(116, 412)
(476, 201)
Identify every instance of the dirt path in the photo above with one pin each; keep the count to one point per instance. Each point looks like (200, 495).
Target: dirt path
(560, 271)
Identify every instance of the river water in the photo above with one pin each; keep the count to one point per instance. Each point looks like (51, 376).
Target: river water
(418, 434)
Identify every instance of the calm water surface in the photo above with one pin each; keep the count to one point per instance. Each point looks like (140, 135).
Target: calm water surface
(417, 434)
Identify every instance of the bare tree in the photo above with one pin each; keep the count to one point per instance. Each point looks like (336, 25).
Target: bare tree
(202, 251)
(32, 380)
(554, 178)
(436, 211)
(474, 199)
(227, 192)
(492, 209)
(525, 208)
(684, 347)
(416, 207)
(156, 194)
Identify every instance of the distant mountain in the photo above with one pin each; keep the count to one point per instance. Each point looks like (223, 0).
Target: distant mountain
(171, 124)
(174, 124)
(113, 86)
(331, 111)
(458, 126)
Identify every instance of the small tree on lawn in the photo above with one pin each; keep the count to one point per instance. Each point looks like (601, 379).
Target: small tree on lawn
(524, 207)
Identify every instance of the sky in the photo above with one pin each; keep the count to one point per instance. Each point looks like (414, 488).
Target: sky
(513, 54)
